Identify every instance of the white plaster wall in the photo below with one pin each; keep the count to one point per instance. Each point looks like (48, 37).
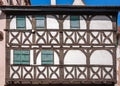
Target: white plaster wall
(66, 24)
(2, 49)
(52, 22)
(101, 22)
(83, 24)
(75, 57)
(13, 23)
(101, 57)
(28, 23)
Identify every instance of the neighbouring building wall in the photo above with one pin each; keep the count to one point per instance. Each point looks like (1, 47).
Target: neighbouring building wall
(118, 58)
(118, 66)
(2, 48)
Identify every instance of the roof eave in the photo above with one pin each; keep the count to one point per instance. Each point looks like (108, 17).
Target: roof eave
(58, 9)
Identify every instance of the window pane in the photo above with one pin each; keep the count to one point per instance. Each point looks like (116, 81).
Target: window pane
(47, 57)
(25, 58)
(74, 22)
(25, 52)
(40, 22)
(20, 22)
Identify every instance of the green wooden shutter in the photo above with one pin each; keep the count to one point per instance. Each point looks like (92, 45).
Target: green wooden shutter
(47, 57)
(25, 57)
(20, 22)
(74, 22)
(21, 57)
(17, 57)
(40, 21)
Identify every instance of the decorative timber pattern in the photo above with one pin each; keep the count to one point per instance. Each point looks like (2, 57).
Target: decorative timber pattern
(52, 37)
(77, 73)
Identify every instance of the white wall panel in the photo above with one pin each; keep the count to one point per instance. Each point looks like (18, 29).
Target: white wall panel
(100, 22)
(101, 57)
(13, 23)
(75, 57)
(52, 23)
(28, 24)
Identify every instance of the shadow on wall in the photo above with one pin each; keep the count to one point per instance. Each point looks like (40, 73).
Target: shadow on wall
(2, 16)
(1, 36)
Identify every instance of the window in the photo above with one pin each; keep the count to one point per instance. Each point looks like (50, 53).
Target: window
(20, 22)
(74, 22)
(47, 57)
(40, 21)
(21, 57)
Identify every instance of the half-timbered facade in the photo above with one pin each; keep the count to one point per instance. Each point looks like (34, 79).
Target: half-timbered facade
(65, 45)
